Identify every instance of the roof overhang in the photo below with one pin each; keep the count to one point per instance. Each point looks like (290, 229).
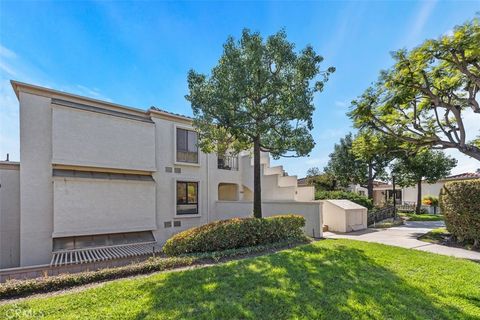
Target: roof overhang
(61, 95)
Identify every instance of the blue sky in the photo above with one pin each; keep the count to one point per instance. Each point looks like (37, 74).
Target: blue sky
(138, 53)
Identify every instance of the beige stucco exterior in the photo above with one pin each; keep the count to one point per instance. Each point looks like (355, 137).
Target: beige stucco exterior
(132, 153)
(344, 216)
(9, 214)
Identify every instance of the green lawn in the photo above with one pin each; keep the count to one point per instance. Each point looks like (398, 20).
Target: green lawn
(330, 279)
(422, 217)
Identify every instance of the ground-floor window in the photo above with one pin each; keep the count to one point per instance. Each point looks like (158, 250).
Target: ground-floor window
(187, 197)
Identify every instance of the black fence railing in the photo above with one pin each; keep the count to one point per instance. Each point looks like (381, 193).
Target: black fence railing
(227, 163)
(380, 214)
(407, 207)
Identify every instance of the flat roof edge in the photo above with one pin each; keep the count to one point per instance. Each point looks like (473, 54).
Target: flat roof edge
(19, 86)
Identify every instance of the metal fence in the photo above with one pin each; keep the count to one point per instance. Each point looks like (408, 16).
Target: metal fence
(380, 214)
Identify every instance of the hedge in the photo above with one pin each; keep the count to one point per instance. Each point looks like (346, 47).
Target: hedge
(352, 196)
(235, 233)
(460, 205)
(13, 288)
(17, 288)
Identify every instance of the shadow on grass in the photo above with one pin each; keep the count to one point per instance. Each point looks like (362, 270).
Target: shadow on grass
(309, 282)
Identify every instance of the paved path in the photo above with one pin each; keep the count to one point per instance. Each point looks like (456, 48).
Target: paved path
(406, 236)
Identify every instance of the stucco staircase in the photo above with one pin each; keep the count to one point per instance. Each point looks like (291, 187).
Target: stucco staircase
(275, 184)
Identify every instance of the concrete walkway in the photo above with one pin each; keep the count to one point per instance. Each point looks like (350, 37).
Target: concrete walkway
(405, 236)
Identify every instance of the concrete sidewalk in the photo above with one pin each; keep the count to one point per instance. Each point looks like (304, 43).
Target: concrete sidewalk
(406, 237)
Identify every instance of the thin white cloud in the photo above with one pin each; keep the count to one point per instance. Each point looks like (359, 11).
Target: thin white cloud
(465, 163)
(90, 93)
(6, 68)
(418, 23)
(7, 53)
(9, 122)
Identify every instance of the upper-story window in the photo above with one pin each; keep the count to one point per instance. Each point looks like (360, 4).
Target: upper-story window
(187, 149)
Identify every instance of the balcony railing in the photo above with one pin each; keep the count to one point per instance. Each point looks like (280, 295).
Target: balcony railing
(228, 163)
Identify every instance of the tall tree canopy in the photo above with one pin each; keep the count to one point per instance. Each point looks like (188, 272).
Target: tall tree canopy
(259, 95)
(344, 165)
(423, 99)
(429, 166)
(361, 159)
(376, 150)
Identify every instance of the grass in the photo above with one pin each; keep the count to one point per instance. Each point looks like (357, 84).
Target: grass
(387, 223)
(437, 236)
(421, 217)
(443, 237)
(329, 279)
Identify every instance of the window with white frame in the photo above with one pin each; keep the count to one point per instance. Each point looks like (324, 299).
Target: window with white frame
(187, 197)
(187, 149)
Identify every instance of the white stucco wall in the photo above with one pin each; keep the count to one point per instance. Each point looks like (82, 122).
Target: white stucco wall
(410, 193)
(36, 187)
(93, 139)
(312, 211)
(97, 206)
(344, 216)
(306, 193)
(9, 216)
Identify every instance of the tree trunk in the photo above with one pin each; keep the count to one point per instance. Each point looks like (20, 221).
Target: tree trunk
(257, 183)
(394, 199)
(370, 182)
(419, 197)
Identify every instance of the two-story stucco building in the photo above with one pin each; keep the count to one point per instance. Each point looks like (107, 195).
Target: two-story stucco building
(97, 180)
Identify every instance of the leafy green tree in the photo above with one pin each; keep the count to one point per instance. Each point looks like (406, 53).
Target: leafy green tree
(361, 159)
(321, 180)
(343, 164)
(376, 150)
(260, 95)
(423, 98)
(426, 165)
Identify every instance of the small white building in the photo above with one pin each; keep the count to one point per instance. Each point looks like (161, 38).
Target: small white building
(98, 179)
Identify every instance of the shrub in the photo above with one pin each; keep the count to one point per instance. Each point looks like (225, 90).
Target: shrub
(460, 205)
(352, 196)
(235, 233)
(14, 288)
(430, 201)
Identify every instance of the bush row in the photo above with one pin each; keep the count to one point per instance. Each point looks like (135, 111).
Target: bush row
(460, 205)
(352, 196)
(15, 288)
(235, 233)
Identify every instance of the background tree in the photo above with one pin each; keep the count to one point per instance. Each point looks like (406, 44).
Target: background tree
(361, 159)
(261, 96)
(429, 166)
(321, 180)
(344, 165)
(376, 150)
(423, 98)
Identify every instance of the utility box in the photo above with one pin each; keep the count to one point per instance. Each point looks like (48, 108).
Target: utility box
(344, 216)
